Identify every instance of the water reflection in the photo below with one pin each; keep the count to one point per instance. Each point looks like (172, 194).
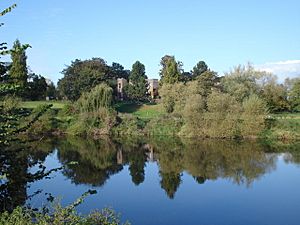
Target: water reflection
(242, 163)
(239, 162)
(15, 163)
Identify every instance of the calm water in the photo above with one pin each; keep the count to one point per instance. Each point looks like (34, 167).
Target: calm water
(168, 181)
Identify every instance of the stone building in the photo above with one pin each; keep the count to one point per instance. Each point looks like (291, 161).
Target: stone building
(121, 83)
(152, 87)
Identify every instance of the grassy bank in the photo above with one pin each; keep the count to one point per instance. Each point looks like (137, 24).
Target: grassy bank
(147, 119)
(35, 104)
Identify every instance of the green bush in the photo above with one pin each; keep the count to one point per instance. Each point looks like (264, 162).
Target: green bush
(99, 97)
(58, 215)
(128, 125)
(166, 125)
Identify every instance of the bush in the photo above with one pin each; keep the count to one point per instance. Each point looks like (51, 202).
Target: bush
(253, 116)
(58, 215)
(128, 125)
(99, 97)
(93, 123)
(164, 125)
(10, 103)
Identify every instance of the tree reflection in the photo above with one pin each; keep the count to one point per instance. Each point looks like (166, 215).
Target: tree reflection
(240, 162)
(16, 164)
(97, 160)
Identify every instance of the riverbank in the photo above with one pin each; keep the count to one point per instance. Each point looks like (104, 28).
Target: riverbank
(137, 119)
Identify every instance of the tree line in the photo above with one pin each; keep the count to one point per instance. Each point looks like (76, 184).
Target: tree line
(31, 86)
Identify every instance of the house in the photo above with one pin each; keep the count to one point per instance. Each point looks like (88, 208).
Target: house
(121, 83)
(152, 87)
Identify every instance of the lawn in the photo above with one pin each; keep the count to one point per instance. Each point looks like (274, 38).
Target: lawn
(34, 104)
(287, 126)
(143, 111)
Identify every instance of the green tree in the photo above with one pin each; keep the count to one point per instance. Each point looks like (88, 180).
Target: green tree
(138, 86)
(118, 71)
(171, 70)
(294, 95)
(82, 76)
(37, 87)
(274, 94)
(199, 69)
(18, 73)
(241, 82)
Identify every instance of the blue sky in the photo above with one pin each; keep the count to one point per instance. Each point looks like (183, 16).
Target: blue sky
(222, 33)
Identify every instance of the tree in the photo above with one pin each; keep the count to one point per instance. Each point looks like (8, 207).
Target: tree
(274, 94)
(18, 73)
(37, 87)
(171, 70)
(118, 71)
(241, 82)
(138, 86)
(82, 76)
(206, 82)
(199, 69)
(294, 95)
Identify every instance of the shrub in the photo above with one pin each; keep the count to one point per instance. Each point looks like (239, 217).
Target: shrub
(253, 116)
(99, 97)
(59, 215)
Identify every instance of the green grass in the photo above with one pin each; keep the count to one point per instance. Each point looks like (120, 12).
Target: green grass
(287, 126)
(143, 111)
(34, 104)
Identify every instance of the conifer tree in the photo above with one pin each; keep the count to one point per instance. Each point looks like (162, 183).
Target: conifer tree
(137, 87)
(18, 73)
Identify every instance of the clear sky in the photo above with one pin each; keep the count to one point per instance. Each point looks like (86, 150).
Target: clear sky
(223, 33)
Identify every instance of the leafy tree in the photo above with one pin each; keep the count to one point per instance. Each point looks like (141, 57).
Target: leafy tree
(199, 69)
(274, 94)
(37, 87)
(18, 73)
(171, 70)
(118, 71)
(206, 82)
(294, 95)
(241, 82)
(82, 76)
(253, 107)
(138, 86)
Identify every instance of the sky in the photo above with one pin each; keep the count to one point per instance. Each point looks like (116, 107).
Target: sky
(221, 33)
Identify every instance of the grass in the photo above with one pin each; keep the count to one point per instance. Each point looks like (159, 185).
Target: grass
(142, 111)
(34, 104)
(287, 126)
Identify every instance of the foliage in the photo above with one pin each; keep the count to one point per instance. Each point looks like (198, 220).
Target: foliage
(82, 76)
(199, 69)
(241, 82)
(164, 125)
(99, 97)
(18, 73)
(173, 96)
(294, 95)
(171, 70)
(60, 215)
(37, 87)
(273, 93)
(253, 116)
(128, 125)
(138, 86)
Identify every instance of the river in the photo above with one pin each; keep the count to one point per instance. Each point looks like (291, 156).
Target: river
(167, 180)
